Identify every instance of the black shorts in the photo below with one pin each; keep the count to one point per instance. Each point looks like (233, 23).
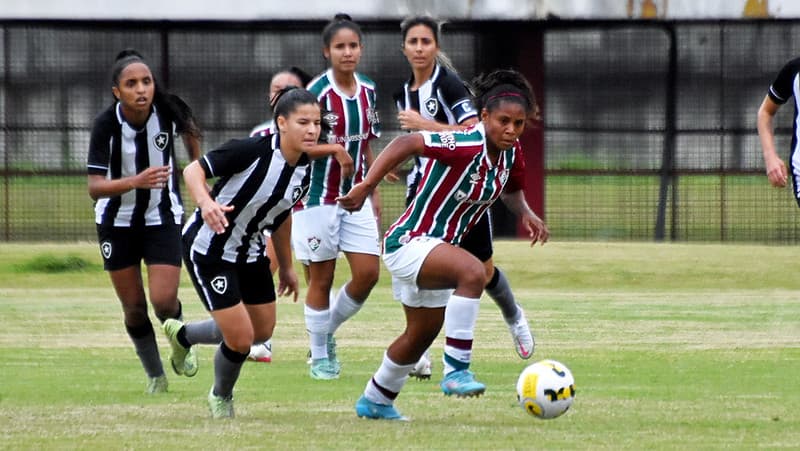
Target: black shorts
(478, 241)
(221, 284)
(122, 247)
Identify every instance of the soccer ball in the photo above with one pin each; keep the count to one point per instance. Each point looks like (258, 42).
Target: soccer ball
(546, 389)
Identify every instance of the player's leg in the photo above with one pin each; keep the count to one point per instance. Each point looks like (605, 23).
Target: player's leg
(448, 266)
(122, 259)
(478, 242)
(261, 351)
(130, 291)
(315, 241)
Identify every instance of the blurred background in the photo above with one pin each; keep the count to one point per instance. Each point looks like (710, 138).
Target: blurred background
(648, 107)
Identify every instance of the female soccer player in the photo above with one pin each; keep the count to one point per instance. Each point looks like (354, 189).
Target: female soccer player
(435, 99)
(260, 180)
(293, 76)
(138, 209)
(468, 172)
(783, 88)
(321, 228)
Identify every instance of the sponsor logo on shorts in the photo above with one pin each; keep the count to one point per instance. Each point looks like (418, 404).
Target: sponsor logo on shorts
(313, 243)
(105, 248)
(448, 140)
(219, 284)
(161, 140)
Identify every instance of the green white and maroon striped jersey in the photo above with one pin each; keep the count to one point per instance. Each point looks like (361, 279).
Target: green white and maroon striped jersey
(459, 183)
(353, 121)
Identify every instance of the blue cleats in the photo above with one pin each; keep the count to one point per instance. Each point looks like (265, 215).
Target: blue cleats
(368, 409)
(462, 383)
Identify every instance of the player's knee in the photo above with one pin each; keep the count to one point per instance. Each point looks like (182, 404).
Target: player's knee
(472, 278)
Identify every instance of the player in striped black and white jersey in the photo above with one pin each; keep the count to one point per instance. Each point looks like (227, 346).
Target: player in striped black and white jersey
(321, 228)
(260, 179)
(468, 171)
(293, 76)
(785, 86)
(138, 209)
(436, 99)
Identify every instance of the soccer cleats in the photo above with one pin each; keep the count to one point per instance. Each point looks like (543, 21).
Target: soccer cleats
(323, 369)
(368, 409)
(521, 334)
(156, 384)
(422, 370)
(183, 360)
(261, 352)
(462, 383)
(220, 407)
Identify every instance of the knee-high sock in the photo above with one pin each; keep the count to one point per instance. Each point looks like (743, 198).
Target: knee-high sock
(144, 341)
(500, 291)
(387, 382)
(459, 325)
(227, 365)
(201, 332)
(317, 327)
(342, 309)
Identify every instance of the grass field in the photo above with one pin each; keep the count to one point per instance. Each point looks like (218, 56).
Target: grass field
(672, 347)
(736, 208)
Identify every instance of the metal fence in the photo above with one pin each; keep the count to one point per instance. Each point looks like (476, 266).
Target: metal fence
(649, 127)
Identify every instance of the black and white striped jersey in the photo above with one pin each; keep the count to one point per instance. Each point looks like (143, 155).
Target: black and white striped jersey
(261, 186)
(118, 150)
(442, 98)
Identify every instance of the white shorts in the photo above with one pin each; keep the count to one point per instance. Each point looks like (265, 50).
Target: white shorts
(404, 265)
(319, 233)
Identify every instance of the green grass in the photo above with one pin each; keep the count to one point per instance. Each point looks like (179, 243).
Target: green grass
(622, 208)
(673, 346)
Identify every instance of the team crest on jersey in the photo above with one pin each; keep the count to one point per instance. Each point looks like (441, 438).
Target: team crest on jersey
(219, 284)
(105, 248)
(297, 193)
(503, 176)
(372, 115)
(432, 106)
(313, 243)
(331, 118)
(161, 140)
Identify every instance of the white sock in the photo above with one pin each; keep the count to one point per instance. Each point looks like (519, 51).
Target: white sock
(387, 382)
(342, 309)
(317, 327)
(459, 328)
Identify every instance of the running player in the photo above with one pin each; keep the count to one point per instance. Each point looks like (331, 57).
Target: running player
(293, 76)
(138, 208)
(436, 99)
(467, 173)
(259, 181)
(321, 228)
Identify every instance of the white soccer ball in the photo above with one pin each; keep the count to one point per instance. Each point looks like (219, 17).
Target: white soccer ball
(546, 389)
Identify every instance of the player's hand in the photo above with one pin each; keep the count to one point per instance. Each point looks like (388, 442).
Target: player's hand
(776, 172)
(391, 177)
(354, 200)
(410, 120)
(214, 215)
(154, 177)
(345, 161)
(536, 228)
(287, 283)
